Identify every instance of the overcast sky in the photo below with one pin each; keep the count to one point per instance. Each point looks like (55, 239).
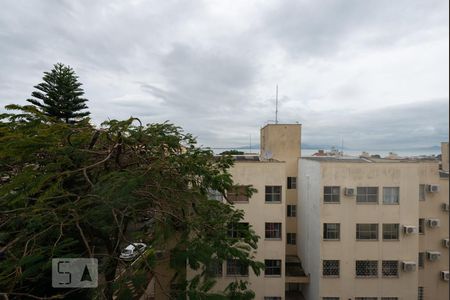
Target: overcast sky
(374, 73)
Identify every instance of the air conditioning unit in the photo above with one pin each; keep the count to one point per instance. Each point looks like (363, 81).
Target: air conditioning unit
(433, 188)
(445, 275)
(349, 191)
(433, 255)
(432, 223)
(445, 207)
(446, 243)
(408, 266)
(407, 229)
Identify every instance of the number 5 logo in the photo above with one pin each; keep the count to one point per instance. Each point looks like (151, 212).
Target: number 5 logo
(62, 273)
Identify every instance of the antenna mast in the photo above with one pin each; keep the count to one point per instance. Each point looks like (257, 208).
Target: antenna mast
(276, 106)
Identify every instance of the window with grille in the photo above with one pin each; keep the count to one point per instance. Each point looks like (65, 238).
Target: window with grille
(367, 268)
(273, 230)
(367, 195)
(236, 268)
(291, 238)
(236, 230)
(330, 268)
(421, 226)
(389, 268)
(422, 192)
(272, 267)
(292, 183)
(292, 210)
(391, 195)
(367, 231)
(391, 231)
(272, 298)
(331, 231)
(331, 194)
(273, 193)
(238, 194)
(420, 293)
(421, 259)
(214, 269)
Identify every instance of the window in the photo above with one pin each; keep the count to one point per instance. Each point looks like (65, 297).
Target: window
(330, 298)
(421, 226)
(331, 194)
(421, 259)
(215, 195)
(292, 183)
(215, 269)
(389, 298)
(273, 267)
(238, 193)
(367, 195)
(420, 293)
(366, 298)
(389, 268)
(236, 230)
(291, 238)
(236, 268)
(273, 193)
(331, 231)
(367, 268)
(367, 231)
(330, 268)
(292, 210)
(391, 231)
(391, 195)
(422, 192)
(272, 298)
(273, 230)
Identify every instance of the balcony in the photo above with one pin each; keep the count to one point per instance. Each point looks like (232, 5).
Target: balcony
(294, 270)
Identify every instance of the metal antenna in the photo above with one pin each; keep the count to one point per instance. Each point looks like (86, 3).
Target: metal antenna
(276, 107)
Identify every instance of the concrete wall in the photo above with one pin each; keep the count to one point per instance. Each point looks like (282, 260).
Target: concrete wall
(444, 153)
(309, 224)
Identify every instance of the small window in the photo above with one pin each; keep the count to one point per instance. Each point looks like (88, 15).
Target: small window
(330, 298)
(238, 194)
(389, 298)
(420, 293)
(367, 268)
(272, 298)
(272, 267)
(331, 231)
(389, 268)
(273, 230)
(367, 195)
(421, 226)
(236, 230)
(391, 231)
(292, 210)
(421, 260)
(331, 194)
(214, 269)
(236, 268)
(391, 195)
(422, 192)
(273, 193)
(291, 238)
(367, 232)
(330, 268)
(292, 183)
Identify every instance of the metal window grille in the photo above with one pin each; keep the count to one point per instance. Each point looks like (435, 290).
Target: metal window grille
(273, 193)
(291, 238)
(420, 293)
(236, 230)
(367, 231)
(292, 182)
(215, 269)
(238, 193)
(272, 267)
(391, 231)
(273, 230)
(422, 192)
(422, 226)
(421, 259)
(331, 231)
(331, 194)
(367, 195)
(330, 268)
(389, 268)
(235, 267)
(292, 210)
(391, 195)
(367, 268)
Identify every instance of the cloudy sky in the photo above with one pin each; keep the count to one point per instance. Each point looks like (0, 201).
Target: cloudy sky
(374, 73)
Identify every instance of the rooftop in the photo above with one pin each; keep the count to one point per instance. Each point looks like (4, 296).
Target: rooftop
(362, 159)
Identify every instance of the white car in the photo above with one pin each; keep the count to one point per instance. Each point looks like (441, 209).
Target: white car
(132, 251)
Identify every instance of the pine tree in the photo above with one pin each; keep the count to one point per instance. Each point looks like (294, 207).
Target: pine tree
(60, 95)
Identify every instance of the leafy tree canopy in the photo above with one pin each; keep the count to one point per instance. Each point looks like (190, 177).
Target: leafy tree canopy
(60, 95)
(232, 152)
(74, 190)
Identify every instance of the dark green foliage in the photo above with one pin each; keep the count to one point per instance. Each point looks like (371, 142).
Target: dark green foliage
(73, 190)
(60, 95)
(232, 152)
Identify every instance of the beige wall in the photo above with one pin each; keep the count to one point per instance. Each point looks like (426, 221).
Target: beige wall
(444, 153)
